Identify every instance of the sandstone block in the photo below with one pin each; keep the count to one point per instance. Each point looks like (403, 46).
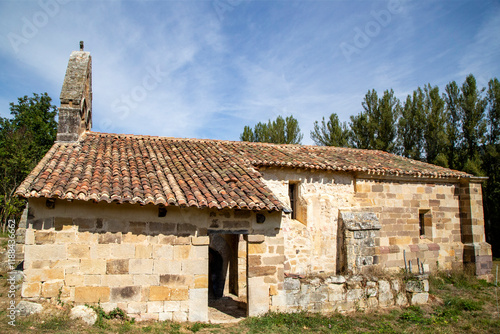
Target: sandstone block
(117, 267)
(261, 271)
(92, 280)
(182, 241)
(30, 290)
(291, 284)
(93, 294)
(143, 251)
(257, 248)
(181, 252)
(194, 267)
(45, 237)
(176, 280)
(73, 280)
(44, 252)
(34, 275)
(77, 251)
(141, 266)
(401, 299)
(166, 267)
(117, 280)
(125, 294)
(336, 292)
(146, 280)
(108, 307)
(419, 298)
(136, 307)
(86, 238)
(93, 266)
(123, 251)
(110, 238)
(163, 293)
(273, 260)
(171, 306)
(258, 297)
(199, 253)
(155, 307)
(201, 281)
(163, 252)
(180, 316)
(165, 316)
(256, 238)
(200, 241)
(65, 237)
(198, 305)
(100, 251)
(130, 238)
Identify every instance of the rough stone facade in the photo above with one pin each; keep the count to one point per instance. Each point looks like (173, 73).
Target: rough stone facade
(452, 222)
(344, 294)
(152, 267)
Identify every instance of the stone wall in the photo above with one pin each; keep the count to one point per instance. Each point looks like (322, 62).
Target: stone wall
(433, 220)
(398, 205)
(344, 294)
(311, 239)
(127, 256)
(477, 253)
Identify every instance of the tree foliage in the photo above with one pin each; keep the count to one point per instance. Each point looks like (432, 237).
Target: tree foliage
(411, 126)
(24, 139)
(280, 131)
(375, 127)
(331, 132)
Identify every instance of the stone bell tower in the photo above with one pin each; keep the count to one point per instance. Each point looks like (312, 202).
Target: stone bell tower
(75, 113)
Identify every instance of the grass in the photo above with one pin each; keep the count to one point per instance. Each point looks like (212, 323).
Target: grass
(459, 303)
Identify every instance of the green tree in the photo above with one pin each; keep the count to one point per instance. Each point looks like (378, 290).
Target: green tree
(361, 132)
(494, 111)
(279, 131)
(385, 120)
(331, 133)
(411, 126)
(24, 139)
(453, 126)
(435, 140)
(375, 126)
(491, 166)
(472, 114)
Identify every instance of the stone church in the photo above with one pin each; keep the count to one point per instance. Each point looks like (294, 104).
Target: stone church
(160, 226)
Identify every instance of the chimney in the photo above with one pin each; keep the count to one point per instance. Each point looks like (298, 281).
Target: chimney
(75, 113)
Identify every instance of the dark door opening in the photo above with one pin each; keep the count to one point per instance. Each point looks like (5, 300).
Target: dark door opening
(227, 277)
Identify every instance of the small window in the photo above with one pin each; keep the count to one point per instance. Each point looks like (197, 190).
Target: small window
(292, 194)
(425, 224)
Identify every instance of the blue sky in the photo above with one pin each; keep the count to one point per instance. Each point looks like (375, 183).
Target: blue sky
(205, 69)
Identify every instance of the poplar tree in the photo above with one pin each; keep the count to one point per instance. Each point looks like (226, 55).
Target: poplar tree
(472, 114)
(331, 132)
(453, 126)
(280, 131)
(411, 126)
(434, 134)
(375, 126)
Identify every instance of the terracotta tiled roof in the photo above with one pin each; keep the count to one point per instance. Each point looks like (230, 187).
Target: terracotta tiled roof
(193, 172)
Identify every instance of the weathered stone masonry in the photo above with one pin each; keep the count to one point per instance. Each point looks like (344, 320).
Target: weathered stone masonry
(126, 256)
